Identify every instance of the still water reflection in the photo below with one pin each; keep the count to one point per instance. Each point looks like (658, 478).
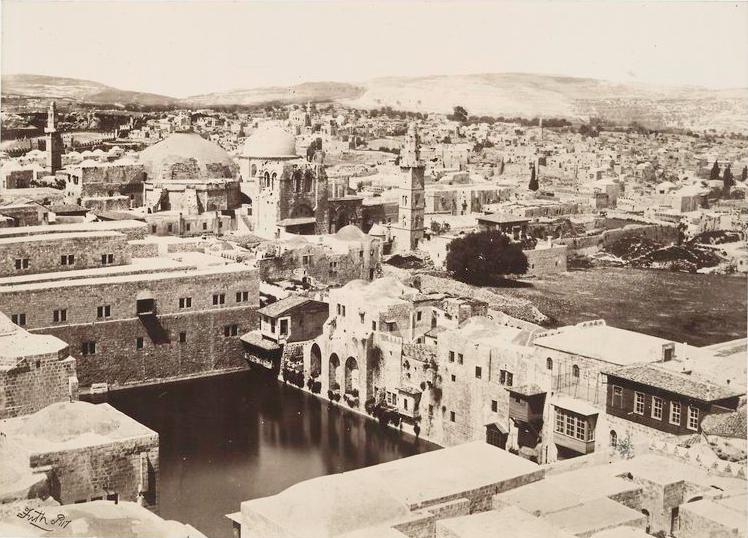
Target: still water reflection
(231, 438)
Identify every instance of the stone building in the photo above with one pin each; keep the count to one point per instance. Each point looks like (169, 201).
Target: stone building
(105, 186)
(324, 260)
(405, 497)
(288, 192)
(129, 314)
(36, 370)
(191, 186)
(88, 452)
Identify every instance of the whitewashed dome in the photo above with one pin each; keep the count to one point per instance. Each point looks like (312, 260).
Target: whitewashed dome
(270, 143)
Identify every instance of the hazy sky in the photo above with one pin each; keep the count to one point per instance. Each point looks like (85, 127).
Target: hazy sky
(183, 48)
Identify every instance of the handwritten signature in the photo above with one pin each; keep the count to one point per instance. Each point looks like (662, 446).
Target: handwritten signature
(40, 520)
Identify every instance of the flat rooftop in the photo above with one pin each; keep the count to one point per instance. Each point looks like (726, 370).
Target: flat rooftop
(137, 265)
(443, 473)
(67, 236)
(184, 271)
(598, 514)
(72, 425)
(508, 521)
(566, 490)
(731, 514)
(114, 225)
(605, 343)
(98, 518)
(385, 493)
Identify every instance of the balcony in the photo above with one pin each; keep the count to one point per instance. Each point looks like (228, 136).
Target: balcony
(261, 351)
(572, 443)
(526, 404)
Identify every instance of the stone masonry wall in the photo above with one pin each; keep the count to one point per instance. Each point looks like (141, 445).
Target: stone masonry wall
(117, 358)
(122, 467)
(39, 382)
(45, 256)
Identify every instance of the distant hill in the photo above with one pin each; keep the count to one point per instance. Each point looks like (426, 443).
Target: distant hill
(504, 94)
(42, 87)
(528, 95)
(301, 93)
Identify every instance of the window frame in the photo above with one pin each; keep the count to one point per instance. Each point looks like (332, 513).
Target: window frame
(655, 401)
(676, 409)
(637, 402)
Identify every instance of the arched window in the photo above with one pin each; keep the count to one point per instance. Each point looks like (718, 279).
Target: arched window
(308, 177)
(297, 181)
(549, 363)
(575, 371)
(272, 182)
(267, 179)
(613, 438)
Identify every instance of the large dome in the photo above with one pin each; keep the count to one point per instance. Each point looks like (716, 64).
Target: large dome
(186, 156)
(270, 143)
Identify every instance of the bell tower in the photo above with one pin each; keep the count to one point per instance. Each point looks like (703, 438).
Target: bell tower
(54, 140)
(409, 228)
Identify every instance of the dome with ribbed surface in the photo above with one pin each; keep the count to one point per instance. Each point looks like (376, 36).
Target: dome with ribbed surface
(270, 143)
(186, 156)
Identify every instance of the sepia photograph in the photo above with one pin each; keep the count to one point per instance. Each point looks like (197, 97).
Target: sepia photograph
(373, 269)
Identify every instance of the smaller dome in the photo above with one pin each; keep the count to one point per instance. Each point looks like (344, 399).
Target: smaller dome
(378, 231)
(270, 143)
(350, 233)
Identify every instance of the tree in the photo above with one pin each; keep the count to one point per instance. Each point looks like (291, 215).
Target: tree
(477, 258)
(533, 186)
(727, 181)
(459, 114)
(714, 174)
(744, 174)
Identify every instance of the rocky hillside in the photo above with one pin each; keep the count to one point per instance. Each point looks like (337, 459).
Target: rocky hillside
(44, 88)
(503, 94)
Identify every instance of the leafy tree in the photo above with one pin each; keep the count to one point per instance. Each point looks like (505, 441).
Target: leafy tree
(477, 258)
(714, 174)
(533, 186)
(459, 114)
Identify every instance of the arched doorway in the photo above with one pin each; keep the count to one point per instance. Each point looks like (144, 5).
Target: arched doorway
(351, 376)
(332, 379)
(645, 512)
(315, 361)
(613, 438)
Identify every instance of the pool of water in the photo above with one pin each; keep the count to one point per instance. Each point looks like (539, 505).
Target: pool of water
(226, 439)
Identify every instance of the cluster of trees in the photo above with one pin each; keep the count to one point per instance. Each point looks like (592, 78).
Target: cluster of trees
(479, 258)
(390, 112)
(459, 113)
(728, 179)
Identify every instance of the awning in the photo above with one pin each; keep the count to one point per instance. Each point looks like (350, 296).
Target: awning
(255, 339)
(574, 405)
(498, 427)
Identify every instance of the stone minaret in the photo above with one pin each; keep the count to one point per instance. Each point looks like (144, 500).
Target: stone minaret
(408, 230)
(54, 141)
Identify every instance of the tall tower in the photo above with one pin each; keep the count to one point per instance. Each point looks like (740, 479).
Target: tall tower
(408, 230)
(54, 141)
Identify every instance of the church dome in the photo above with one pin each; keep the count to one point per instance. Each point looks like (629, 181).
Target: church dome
(270, 143)
(186, 156)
